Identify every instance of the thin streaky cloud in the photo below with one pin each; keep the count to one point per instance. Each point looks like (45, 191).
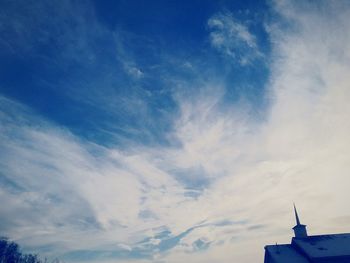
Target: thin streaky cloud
(233, 38)
(224, 184)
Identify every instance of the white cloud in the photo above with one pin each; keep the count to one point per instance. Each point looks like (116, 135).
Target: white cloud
(66, 191)
(233, 38)
(135, 72)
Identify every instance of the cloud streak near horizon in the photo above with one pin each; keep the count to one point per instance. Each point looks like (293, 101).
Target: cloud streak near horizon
(162, 157)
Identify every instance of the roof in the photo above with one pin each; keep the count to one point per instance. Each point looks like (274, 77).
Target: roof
(284, 254)
(320, 246)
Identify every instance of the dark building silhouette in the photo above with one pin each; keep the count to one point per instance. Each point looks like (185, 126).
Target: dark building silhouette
(334, 248)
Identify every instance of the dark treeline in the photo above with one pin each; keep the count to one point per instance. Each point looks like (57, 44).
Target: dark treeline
(10, 253)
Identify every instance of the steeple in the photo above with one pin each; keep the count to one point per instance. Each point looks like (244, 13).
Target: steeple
(296, 215)
(299, 229)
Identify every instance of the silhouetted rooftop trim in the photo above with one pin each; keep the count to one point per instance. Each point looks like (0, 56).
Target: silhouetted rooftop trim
(285, 254)
(334, 245)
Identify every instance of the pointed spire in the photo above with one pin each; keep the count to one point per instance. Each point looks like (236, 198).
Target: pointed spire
(296, 215)
(299, 229)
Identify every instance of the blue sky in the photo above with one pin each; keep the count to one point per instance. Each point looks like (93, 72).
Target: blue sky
(97, 62)
(171, 131)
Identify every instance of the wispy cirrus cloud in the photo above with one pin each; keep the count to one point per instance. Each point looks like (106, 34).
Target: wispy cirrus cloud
(233, 38)
(224, 186)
